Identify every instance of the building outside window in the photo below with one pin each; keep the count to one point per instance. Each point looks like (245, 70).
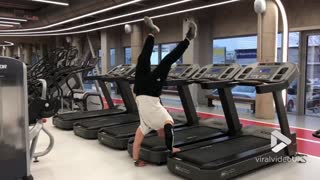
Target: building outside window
(243, 50)
(112, 57)
(127, 55)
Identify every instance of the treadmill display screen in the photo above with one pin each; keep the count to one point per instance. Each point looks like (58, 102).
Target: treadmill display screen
(179, 70)
(215, 70)
(265, 70)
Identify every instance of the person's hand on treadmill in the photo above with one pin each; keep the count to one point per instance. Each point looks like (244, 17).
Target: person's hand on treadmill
(175, 150)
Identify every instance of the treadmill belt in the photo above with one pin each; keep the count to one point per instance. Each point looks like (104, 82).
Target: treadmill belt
(182, 137)
(215, 152)
(126, 130)
(88, 114)
(109, 121)
(129, 129)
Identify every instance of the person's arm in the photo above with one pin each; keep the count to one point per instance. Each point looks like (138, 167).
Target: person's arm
(136, 148)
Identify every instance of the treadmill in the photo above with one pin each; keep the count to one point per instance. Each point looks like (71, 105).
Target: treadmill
(117, 137)
(153, 148)
(231, 156)
(89, 129)
(65, 121)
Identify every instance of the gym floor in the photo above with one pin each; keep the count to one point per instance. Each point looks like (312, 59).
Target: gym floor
(76, 158)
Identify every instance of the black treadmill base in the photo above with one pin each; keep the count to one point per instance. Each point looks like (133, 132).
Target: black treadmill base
(154, 157)
(85, 133)
(115, 143)
(28, 177)
(192, 171)
(64, 125)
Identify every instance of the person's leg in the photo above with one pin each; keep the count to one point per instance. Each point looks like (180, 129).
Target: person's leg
(143, 66)
(164, 67)
(136, 148)
(169, 136)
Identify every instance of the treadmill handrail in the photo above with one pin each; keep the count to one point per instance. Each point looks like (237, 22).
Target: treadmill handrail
(217, 84)
(263, 87)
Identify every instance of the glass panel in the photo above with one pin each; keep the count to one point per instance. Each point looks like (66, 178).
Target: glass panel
(167, 48)
(155, 55)
(127, 55)
(312, 106)
(242, 50)
(112, 57)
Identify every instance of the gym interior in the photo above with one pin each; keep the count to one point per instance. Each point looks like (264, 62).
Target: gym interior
(244, 96)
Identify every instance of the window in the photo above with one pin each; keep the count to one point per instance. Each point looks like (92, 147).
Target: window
(127, 55)
(167, 48)
(312, 87)
(155, 55)
(243, 50)
(112, 57)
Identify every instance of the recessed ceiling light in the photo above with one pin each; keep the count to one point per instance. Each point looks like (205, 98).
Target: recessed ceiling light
(75, 18)
(6, 25)
(7, 43)
(13, 19)
(8, 22)
(53, 2)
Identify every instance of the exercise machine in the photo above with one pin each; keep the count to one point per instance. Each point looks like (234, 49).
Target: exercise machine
(89, 129)
(67, 120)
(153, 148)
(14, 132)
(118, 136)
(251, 147)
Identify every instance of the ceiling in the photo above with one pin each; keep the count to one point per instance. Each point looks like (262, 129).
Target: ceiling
(41, 14)
(22, 5)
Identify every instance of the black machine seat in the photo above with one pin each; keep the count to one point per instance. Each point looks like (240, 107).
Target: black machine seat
(215, 155)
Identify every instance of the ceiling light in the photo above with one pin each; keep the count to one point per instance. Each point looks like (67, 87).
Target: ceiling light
(105, 20)
(74, 19)
(8, 22)
(13, 19)
(53, 2)
(7, 44)
(128, 22)
(6, 25)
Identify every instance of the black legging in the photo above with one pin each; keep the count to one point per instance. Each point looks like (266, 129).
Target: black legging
(143, 67)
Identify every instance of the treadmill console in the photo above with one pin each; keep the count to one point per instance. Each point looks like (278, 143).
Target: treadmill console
(133, 75)
(122, 70)
(218, 72)
(269, 72)
(183, 71)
